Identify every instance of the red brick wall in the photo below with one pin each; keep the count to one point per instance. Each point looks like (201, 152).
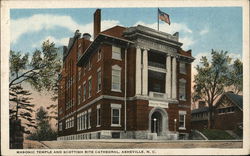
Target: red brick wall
(228, 121)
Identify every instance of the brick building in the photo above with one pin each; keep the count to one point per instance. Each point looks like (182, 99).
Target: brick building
(227, 113)
(127, 83)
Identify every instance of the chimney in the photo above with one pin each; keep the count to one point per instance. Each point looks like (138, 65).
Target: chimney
(97, 22)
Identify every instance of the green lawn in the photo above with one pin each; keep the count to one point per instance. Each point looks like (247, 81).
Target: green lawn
(215, 134)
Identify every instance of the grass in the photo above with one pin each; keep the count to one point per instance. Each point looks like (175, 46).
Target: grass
(215, 134)
(239, 132)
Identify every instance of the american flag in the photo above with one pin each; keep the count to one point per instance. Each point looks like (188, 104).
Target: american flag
(163, 16)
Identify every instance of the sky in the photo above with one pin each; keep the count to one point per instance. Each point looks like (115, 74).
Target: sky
(200, 28)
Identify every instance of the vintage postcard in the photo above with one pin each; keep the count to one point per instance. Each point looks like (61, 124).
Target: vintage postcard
(125, 77)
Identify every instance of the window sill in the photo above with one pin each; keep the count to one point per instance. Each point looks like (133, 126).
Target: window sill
(183, 99)
(115, 125)
(118, 59)
(182, 128)
(116, 90)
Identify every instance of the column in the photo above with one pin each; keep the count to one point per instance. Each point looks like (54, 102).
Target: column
(174, 90)
(138, 72)
(145, 73)
(168, 77)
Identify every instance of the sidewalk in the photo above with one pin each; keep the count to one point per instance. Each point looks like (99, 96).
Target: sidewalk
(133, 144)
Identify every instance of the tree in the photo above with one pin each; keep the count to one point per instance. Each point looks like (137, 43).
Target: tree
(44, 130)
(40, 71)
(23, 108)
(236, 77)
(212, 79)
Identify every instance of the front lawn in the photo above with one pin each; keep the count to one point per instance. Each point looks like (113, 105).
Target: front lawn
(215, 134)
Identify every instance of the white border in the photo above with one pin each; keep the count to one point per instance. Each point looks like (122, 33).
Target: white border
(5, 47)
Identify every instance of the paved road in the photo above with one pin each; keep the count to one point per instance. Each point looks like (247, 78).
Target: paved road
(128, 144)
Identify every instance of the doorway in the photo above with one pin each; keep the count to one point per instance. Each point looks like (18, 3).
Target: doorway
(156, 123)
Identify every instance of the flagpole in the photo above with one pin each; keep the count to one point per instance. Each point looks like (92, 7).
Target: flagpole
(158, 19)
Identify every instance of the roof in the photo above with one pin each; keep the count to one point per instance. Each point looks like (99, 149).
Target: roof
(116, 31)
(200, 110)
(98, 40)
(235, 98)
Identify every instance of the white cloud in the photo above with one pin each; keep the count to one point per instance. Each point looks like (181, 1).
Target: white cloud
(39, 22)
(187, 41)
(204, 31)
(58, 42)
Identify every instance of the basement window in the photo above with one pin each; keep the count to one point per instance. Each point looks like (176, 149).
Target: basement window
(115, 135)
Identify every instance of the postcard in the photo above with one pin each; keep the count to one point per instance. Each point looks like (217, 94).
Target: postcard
(125, 77)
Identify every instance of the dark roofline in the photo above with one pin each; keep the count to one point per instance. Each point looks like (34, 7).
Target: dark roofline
(231, 99)
(199, 110)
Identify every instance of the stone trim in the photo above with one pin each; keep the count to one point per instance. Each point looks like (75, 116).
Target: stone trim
(137, 97)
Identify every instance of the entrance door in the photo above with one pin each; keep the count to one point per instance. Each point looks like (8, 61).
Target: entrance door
(156, 123)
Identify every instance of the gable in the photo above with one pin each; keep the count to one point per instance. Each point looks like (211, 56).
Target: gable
(224, 102)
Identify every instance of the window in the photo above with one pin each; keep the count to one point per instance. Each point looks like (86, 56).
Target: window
(84, 91)
(70, 123)
(226, 110)
(182, 68)
(89, 118)
(99, 80)
(90, 87)
(85, 120)
(98, 116)
(79, 73)
(116, 53)
(60, 126)
(115, 115)
(99, 55)
(182, 118)
(182, 89)
(79, 95)
(78, 122)
(116, 78)
(89, 64)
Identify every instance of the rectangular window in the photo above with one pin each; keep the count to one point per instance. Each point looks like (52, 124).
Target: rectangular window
(182, 68)
(79, 95)
(182, 89)
(116, 53)
(116, 79)
(89, 64)
(82, 121)
(90, 87)
(182, 119)
(85, 120)
(79, 73)
(60, 126)
(78, 122)
(99, 55)
(89, 118)
(115, 115)
(99, 80)
(84, 92)
(98, 116)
